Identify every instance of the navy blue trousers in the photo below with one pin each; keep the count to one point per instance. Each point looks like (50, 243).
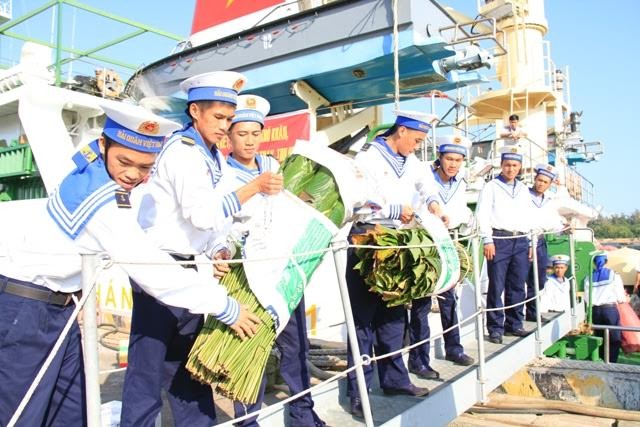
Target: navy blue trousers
(378, 328)
(160, 340)
(419, 328)
(543, 259)
(294, 348)
(507, 274)
(608, 315)
(28, 331)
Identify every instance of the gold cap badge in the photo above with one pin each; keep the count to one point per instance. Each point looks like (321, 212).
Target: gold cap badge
(238, 85)
(149, 128)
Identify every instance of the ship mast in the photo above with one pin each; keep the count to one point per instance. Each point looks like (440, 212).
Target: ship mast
(526, 76)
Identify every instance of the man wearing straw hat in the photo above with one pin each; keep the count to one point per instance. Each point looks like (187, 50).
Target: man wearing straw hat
(40, 285)
(504, 216)
(190, 200)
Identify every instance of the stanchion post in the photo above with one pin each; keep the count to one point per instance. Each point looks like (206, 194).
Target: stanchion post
(339, 249)
(90, 342)
(536, 285)
(607, 337)
(573, 283)
(475, 249)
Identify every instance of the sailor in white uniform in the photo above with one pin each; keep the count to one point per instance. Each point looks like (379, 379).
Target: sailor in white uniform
(556, 289)
(608, 291)
(90, 212)
(190, 198)
(504, 216)
(403, 183)
(547, 219)
(451, 190)
(245, 134)
(513, 132)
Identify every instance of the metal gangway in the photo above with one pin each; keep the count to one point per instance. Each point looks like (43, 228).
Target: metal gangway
(459, 389)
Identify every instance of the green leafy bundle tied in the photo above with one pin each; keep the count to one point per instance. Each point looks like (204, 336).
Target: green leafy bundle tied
(297, 171)
(400, 275)
(220, 356)
(314, 184)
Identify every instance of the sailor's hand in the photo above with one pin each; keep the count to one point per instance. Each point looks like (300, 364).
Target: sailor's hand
(489, 251)
(246, 325)
(530, 254)
(269, 183)
(406, 215)
(220, 269)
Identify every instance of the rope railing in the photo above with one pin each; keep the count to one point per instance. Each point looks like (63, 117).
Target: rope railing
(56, 347)
(106, 262)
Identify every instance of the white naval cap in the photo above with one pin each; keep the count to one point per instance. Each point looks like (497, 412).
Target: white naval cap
(453, 144)
(136, 127)
(559, 259)
(251, 108)
(415, 120)
(546, 170)
(214, 86)
(511, 152)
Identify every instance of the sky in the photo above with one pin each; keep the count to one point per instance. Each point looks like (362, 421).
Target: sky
(586, 35)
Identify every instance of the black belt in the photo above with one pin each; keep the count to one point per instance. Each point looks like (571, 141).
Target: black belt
(501, 232)
(21, 289)
(180, 257)
(609, 304)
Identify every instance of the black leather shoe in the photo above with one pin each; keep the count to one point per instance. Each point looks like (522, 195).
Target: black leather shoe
(460, 359)
(517, 332)
(495, 337)
(425, 372)
(356, 407)
(410, 390)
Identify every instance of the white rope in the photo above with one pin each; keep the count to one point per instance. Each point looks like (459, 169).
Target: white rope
(396, 64)
(54, 350)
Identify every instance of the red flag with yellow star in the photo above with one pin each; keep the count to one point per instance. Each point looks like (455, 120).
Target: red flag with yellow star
(214, 12)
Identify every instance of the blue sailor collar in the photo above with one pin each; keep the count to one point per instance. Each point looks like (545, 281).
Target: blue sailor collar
(449, 188)
(189, 132)
(511, 189)
(188, 135)
(538, 201)
(602, 277)
(439, 180)
(243, 173)
(395, 160)
(83, 192)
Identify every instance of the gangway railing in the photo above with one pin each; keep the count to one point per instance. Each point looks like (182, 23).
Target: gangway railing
(93, 264)
(475, 32)
(607, 338)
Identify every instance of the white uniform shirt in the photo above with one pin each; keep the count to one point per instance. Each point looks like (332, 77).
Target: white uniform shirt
(189, 198)
(546, 212)
(42, 254)
(504, 206)
(606, 291)
(397, 181)
(555, 295)
(244, 175)
(508, 133)
(453, 200)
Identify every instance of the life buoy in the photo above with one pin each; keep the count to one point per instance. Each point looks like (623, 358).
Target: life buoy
(109, 83)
